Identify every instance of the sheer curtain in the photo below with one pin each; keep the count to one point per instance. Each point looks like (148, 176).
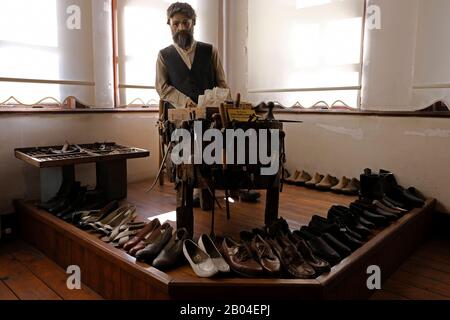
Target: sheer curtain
(47, 49)
(305, 51)
(143, 31)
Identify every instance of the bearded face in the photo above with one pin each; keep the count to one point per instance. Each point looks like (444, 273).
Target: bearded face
(182, 28)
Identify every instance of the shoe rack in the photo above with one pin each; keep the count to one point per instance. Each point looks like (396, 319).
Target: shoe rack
(57, 165)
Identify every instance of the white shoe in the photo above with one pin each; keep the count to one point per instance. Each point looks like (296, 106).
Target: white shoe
(206, 244)
(199, 260)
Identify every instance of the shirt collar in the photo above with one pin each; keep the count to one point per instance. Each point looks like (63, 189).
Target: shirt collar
(188, 51)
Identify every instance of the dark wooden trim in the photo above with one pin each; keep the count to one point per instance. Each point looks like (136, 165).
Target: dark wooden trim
(395, 114)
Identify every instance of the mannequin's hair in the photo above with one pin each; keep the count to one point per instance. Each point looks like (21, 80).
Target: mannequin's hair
(183, 8)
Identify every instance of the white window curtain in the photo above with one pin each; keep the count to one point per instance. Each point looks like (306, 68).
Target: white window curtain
(47, 50)
(305, 51)
(143, 32)
(432, 59)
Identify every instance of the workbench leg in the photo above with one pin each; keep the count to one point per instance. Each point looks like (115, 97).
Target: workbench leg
(272, 202)
(206, 200)
(51, 180)
(185, 213)
(112, 179)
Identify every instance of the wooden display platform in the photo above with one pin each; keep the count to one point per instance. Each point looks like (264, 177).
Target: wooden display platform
(116, 275)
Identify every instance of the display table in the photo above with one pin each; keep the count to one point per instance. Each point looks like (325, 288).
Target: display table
(57, 164)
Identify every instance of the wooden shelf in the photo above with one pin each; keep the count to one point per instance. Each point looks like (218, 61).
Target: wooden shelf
(116, 275)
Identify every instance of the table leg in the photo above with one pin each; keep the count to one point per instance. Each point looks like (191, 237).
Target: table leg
(185, 210)
(112, 178)
(51, 180)
(272, 202)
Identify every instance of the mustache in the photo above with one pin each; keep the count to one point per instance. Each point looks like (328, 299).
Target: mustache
(184, 38)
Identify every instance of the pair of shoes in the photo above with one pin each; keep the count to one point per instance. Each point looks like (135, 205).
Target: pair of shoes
(347, 186)
(205, 259)
(246, 195)
(324, 249)
(319, 265)
(293, 263)
(85, 218)
(240, 258)
(327, 183)
(291, 179)
(171, 254)
(316, 179)
(141, 239)
(155, 243)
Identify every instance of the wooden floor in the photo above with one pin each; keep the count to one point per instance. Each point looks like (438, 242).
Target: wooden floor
(26, 274)
(425, 275)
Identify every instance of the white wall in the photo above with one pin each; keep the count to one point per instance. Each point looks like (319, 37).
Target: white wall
(20, 180)
(415, 149)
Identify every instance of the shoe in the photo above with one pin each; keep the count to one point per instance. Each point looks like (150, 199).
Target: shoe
(327, 183)
(142, 234)
(302, 178)
(319, 246)
(343, 215)
(352, 189)
(314, 181)
(157, 241)
(291, 179)
(171, 253)
(126, 232)
(66, 188)
(201, 263)
(278, 228)
(239, 258)
(206, 244)
(382, 206)
(340, 232)
(367, 205)
(293, 263)
(341, 185)
(375, 218)
(320, 266)
(265, 256)
(246, 195)
(114, 227)
(88, 217)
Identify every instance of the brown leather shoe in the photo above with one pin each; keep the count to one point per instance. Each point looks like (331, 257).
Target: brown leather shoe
(141, 235)
(291, 260)
(265, 256)
(239, 257)
(319, 265)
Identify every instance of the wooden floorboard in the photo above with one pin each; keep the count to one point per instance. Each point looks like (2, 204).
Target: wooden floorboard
(30, 275)
(6, 293)
(24, 284)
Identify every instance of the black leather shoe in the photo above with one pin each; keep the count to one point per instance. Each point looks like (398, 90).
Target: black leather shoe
(172, 252)
(341, 233)
(372, 208)
(342, 215)
(377, 219)
(157, 241)
(319, 246)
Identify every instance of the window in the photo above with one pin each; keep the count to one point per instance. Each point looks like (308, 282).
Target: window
(52, 48)
(305, 51)
(142, 33)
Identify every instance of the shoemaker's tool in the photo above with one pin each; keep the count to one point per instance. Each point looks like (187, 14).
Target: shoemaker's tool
(237, 103)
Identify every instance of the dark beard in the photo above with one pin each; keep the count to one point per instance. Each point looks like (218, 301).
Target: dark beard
(184, 38)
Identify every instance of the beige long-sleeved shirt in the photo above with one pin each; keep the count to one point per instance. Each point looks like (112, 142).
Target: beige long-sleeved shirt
(170, 93)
